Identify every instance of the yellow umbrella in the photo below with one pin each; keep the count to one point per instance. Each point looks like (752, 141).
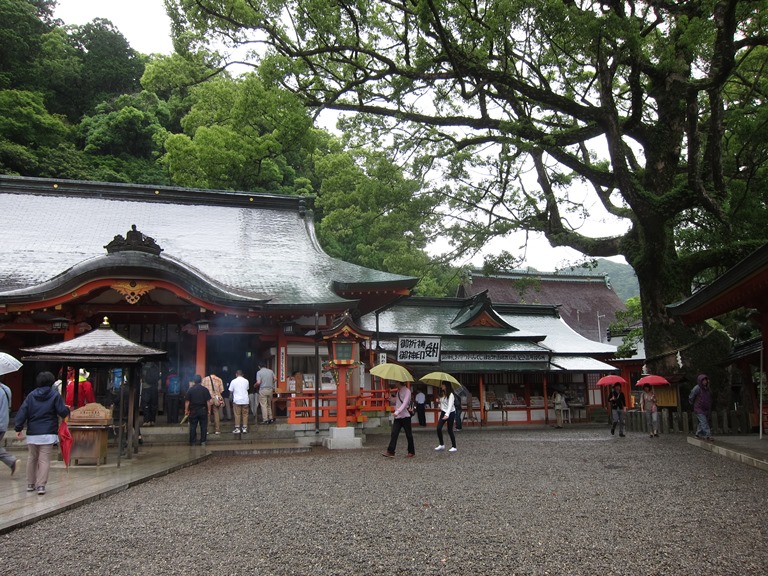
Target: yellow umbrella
(392, 372)
(436, 378)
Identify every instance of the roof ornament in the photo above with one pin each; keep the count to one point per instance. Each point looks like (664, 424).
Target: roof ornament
(134, 241)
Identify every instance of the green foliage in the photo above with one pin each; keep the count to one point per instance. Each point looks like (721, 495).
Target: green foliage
(628, 327)
(26, 128)
(110, 66)
(86, 116)
(622, 278)
(535, 114)
(172, 78)
(21, 32)
(131, 125)
(243, 136)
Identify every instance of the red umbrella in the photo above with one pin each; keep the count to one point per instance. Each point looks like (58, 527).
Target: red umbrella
(652, 380)
(610, 380)
(65, 442)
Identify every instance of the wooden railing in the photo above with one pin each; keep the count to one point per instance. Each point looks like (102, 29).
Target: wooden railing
(301, 408)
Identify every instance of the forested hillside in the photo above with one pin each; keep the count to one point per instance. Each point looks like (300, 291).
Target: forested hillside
(623, 278)
(78, 102)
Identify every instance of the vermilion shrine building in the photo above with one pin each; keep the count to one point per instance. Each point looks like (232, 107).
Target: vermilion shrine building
(227, 280)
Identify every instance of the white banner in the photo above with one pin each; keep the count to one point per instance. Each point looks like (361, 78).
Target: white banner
(414, 349)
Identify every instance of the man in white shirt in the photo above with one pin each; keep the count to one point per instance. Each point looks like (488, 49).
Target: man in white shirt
(421, 400)
(238, 388)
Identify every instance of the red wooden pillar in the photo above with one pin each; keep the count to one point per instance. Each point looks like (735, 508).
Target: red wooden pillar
(341, 398)
(201, 349)
(481, 389)
(69, 333)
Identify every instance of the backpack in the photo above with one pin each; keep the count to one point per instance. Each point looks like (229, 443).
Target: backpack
(174, 384)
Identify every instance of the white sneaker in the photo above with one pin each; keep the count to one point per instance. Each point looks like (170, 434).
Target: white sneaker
(236, 431)
(441, 447)
(245, 430)
(453, 450)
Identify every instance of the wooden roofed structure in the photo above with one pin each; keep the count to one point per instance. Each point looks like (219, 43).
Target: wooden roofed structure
(101, 347)
(745, 285)
(509, 356)
(586, 302)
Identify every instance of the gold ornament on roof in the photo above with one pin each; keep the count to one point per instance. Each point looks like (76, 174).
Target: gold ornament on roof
(133, 291)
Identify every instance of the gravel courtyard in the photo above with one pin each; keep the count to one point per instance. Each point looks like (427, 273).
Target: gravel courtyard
(509, 502)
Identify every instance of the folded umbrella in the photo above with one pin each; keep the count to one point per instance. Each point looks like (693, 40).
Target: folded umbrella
(65, 442)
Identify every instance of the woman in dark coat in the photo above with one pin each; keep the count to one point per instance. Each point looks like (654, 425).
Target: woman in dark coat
(40, 412)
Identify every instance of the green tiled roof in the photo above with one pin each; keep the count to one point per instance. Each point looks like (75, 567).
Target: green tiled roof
(534, 327)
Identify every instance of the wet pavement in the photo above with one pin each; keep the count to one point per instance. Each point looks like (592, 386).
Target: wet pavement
(78, 485)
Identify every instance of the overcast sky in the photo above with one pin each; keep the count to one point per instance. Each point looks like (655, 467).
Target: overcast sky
(146, 26)
(143, 22)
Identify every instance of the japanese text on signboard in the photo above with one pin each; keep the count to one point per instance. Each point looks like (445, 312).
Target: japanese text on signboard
(418, 349)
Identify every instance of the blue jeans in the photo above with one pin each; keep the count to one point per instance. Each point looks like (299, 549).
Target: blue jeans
(397, 425)
(703, 429)
(619, 417)
(652, 420)
(198, 416)
(5, 457)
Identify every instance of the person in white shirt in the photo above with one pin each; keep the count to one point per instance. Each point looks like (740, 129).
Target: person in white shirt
(238, 388)
(421, 400)
(447, 414)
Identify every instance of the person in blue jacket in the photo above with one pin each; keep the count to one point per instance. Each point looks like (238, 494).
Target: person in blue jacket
(40, 412)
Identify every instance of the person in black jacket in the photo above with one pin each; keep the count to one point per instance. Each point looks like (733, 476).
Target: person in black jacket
(197, 406)
(40, 412)
(618, 409)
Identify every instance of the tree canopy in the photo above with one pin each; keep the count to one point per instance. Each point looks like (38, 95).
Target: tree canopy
(654, 110)
(78, 102)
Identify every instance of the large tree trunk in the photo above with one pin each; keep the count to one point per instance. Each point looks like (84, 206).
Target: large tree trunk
(671, 347)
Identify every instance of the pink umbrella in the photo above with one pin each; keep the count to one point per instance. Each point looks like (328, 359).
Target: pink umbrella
(653, 380)
(610, 380)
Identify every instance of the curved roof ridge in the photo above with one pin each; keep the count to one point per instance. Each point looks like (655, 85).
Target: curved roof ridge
(260, 246)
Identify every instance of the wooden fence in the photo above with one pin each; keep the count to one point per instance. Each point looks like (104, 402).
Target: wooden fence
(721, 422)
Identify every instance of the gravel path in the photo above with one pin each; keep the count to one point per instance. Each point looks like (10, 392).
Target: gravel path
(509, 502)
